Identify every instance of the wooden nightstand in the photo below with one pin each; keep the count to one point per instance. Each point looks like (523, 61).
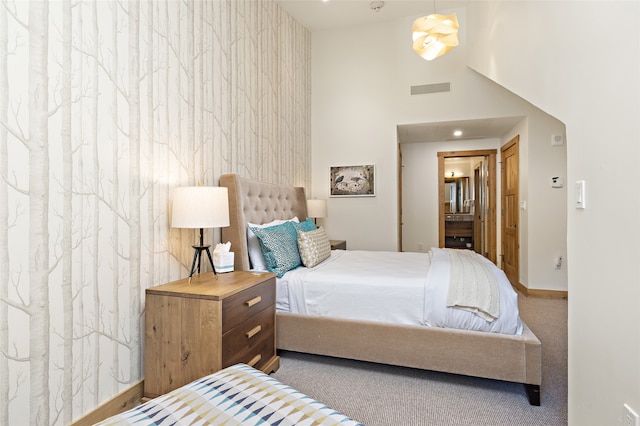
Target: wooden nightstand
(338, 244)
(192, 330)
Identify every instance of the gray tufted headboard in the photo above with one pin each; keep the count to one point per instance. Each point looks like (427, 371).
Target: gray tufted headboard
(257, 202)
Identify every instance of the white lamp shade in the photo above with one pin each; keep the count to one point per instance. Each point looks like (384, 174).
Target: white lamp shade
(317, 208)
(200, 207)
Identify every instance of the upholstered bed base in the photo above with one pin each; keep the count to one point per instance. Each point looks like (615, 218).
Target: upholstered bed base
(488, 355)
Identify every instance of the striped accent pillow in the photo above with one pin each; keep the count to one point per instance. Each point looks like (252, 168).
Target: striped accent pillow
(314, 247)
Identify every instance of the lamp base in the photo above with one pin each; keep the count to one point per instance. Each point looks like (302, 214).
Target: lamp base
(197, 256)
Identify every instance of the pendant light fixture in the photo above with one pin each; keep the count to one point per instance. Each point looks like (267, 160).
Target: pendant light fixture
(435, 35)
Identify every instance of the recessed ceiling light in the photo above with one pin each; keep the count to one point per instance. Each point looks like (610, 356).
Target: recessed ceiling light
(457, 133)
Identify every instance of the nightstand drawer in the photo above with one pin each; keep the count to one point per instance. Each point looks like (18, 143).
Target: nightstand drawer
(239, 307)
(256, 356)
(248, 334)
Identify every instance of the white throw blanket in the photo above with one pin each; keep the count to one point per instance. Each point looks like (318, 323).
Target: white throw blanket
(473, 286)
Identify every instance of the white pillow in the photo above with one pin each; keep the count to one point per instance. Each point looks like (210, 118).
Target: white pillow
(253, 245)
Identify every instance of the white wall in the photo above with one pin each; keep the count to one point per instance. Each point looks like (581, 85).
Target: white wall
(546, 210)
(361, 80)
(583, 68)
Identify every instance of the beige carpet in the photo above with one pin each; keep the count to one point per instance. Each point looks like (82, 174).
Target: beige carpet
(376, 394)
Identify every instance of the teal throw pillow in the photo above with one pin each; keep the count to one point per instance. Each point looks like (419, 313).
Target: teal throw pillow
(306, 226)
(279, 245)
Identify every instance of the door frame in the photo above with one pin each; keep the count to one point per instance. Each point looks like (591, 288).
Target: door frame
(491, 154)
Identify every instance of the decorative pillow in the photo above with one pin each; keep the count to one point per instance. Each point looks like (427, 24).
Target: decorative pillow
(279, 247)
(314, 247)
(253, 245)
(306, 226)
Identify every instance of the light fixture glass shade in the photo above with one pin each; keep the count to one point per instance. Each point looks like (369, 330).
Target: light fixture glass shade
(317, 208)
(200, 207)
(435, 35)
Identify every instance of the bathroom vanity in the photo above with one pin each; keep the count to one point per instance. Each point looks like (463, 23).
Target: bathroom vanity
(458, 230)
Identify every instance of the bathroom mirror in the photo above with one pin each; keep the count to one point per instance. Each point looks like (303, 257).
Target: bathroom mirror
(457, 195)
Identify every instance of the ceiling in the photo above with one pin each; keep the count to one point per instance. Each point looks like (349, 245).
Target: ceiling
(319, 15)
(486, 128)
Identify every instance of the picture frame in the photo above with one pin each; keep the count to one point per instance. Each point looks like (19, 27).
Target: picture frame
(352, 181)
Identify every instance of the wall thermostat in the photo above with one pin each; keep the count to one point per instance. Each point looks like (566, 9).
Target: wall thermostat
(557, 182)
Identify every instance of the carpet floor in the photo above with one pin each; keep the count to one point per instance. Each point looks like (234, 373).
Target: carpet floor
(384, 395)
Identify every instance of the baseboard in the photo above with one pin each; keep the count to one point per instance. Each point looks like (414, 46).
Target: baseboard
(125, 400)
(543, 294)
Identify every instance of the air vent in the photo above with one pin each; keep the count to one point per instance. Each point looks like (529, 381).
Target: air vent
(430, 88)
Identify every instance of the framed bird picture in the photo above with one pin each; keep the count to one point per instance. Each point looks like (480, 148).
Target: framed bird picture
(353, 181)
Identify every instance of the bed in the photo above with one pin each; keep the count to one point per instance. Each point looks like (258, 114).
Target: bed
(236, 395)
(509, 357)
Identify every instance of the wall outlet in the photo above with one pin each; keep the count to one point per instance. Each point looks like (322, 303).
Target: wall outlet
(631, 418)
(559, 262)
(420, 247)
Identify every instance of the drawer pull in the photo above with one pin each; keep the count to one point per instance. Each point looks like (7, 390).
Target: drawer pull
(254, 360)
(253, 301)
(255, 330)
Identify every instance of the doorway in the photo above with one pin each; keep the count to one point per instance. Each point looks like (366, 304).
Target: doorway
(481, 205)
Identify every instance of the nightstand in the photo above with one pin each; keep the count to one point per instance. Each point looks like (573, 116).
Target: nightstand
(192, 330)
(338, 244)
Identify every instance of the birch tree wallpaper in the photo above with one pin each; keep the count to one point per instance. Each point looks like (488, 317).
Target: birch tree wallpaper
(105, 107)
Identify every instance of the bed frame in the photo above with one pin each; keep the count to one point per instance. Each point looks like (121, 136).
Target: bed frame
(488, 355)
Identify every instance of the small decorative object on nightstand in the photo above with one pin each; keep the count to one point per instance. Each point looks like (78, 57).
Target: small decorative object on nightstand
(193, 330)
(338, 244)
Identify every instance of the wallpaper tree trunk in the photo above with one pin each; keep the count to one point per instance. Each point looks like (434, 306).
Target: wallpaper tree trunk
(4, 217)
(151, 108)
(79, 348)
(134, 192)
(97, 193)
(115, 199)
(38, 145)
(67, 216)
(105, 107)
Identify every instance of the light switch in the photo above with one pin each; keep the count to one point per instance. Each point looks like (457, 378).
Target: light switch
(580, 194)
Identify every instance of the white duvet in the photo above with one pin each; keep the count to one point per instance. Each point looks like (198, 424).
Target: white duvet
(400, 288)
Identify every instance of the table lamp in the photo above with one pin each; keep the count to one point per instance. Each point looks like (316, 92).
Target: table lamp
(316, 209)
(199, 207)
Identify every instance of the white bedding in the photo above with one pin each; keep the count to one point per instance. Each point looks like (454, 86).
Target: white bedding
(401, 288)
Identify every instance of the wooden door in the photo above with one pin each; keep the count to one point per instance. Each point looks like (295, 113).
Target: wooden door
(510, 211)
